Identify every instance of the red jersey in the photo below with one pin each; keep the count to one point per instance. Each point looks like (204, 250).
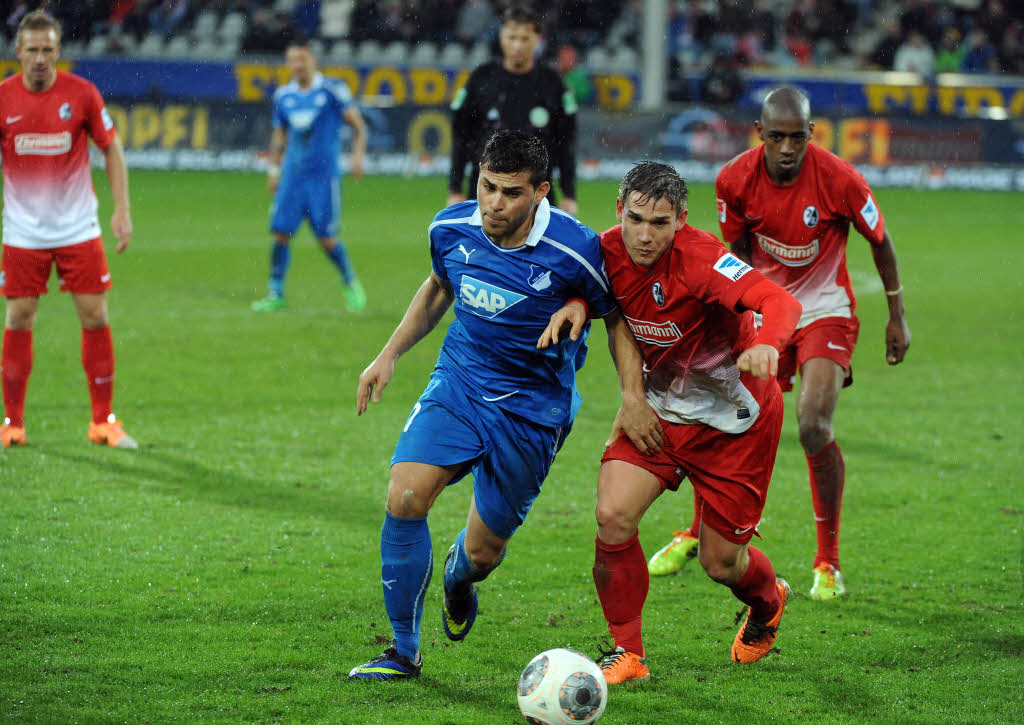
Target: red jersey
(682, 311)
(49, 199)
(798, 232)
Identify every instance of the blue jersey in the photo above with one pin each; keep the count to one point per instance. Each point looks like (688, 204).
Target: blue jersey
(504, 299)
(313, 118)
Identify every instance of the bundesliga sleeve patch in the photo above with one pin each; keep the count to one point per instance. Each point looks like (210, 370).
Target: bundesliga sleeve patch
(108, 122)
(730, 266)
(869, 213)
(721, 210)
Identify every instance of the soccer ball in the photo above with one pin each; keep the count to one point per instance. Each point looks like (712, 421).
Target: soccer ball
(562, 687)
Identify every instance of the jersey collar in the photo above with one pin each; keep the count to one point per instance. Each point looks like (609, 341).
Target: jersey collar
(540, 223)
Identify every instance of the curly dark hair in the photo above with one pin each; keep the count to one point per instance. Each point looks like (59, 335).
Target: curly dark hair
(510, 151)
(654, 181)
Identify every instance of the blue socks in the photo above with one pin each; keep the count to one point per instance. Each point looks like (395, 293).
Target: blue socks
(280, 258)
(460, 571)
(406, 565)
(339, 257)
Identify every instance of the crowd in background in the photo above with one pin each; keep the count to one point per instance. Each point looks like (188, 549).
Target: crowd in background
(714, 38)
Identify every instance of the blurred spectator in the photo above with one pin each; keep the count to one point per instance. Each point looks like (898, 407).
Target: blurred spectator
(920, 15)
(476, 22)
(722, 84)
(981, 54)
(401, 21)
(993, 19)
(628, 26)
(78, 17)
(1011, 49)
(586, 23)
(950, 56)
(884, 54)
(306, 18)
(268, 32)
(168, 15)
(915, 56)
(689, 33)
(365, 21)
(574, 77)
(335, 17)
(439, 24)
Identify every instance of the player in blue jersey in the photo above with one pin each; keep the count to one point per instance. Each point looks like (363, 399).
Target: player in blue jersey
(496, 405)
(304, 174)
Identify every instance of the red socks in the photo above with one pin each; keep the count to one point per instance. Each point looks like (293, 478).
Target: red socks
(98, 361)
(756, 588)
(622, 580)
(828, 476)
(15, 367)
(698, 503)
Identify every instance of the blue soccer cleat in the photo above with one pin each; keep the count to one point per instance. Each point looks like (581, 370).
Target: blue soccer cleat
(458, 611)
(388, 666)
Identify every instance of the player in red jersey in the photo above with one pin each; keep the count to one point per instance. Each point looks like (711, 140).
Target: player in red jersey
(49, 217)
(786, 208)
(710, 377)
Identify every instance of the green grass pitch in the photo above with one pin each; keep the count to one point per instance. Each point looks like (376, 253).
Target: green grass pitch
(229, 570)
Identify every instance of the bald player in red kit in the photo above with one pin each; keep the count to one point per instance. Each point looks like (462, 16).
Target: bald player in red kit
(786, 208)
(710, 378)
(49, 218)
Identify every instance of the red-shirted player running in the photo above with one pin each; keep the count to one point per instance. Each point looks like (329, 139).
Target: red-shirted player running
(49, 217)
(786, 207)
(710, 377)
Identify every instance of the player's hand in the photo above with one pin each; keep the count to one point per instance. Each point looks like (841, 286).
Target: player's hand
(761, 361)
(455, 197)
(356, 167)
(572, 316)
(640, 424)
(897, 341)
(569, 206)
(121, 224)
(373, 381)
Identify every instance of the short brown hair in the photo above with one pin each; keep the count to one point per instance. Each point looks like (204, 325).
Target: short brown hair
(39, 20)
(525, 13)
(653, 181)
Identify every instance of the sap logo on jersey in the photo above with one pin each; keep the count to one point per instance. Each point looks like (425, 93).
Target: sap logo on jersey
(731, 267)
(484, 299)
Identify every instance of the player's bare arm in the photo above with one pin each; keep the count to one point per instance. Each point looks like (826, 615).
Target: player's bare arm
(117, 175)
(741, 248)
(636, 418)
(359, 138)
(897, 333)
(278, 140)
(428, 306)
(569, 206)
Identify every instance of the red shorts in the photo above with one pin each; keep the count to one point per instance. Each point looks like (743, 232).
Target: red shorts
(81, 269)
(730, 471)
(831, 337)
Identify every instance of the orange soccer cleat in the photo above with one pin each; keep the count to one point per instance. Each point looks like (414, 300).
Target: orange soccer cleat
(755, 640)
(111, 434)
(620, 666)
(12, 435)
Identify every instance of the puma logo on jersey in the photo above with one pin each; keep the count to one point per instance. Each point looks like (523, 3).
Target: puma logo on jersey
(485, 299)
(463, 250)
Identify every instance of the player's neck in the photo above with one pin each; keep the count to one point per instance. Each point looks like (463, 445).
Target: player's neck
(517, 237)
(518, 70)
(40, 87)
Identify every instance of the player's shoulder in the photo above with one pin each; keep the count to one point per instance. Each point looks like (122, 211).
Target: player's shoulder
(11, 83)
(485, 71)
(564, 227)
(697, 244)
(454, 215)
(337, 88)
(70, 82)
(285, 89)
(827, 162)
(741, 166)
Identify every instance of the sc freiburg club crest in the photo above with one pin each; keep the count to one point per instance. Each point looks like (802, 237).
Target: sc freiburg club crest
(659, 294)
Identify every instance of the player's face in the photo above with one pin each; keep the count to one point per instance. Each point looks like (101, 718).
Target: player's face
(38, 51)
(648, 226)
(302, 64)
(507, 203)
(785, 139)
(518, 42)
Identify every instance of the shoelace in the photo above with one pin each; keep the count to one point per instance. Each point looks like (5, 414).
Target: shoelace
(608, 657)
(755, 631)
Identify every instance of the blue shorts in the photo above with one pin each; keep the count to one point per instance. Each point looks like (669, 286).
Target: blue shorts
(508, 455)
(317, 199)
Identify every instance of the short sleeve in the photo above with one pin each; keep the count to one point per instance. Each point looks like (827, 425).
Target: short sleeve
(341, 94)
(719, 275)
(862, 209)
(278, 119)
(593, 281)
(437, 254)
(100, 124)
(730, 211)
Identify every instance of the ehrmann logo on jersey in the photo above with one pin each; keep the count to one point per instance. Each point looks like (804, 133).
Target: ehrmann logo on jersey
(789, 256)
(485, 299)
(42, 144)
(663, 334)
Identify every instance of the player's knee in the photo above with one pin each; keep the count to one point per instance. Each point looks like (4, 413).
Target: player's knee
(718, 566)
(815, 433)
(406, 503)
(614, 525)
(484, 557)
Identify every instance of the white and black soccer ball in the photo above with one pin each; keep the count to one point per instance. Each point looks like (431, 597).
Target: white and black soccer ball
(562, 687)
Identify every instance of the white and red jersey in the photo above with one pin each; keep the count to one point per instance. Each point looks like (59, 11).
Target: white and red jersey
(682, 311)
(49, 200)
(798, 232)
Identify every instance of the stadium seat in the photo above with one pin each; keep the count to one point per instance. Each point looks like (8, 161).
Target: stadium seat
(369, 52)
(423, 53)
(453, 55)
(178, 46)
(597, 58)
(97, 45)
(316, 46)
(205, 25)
(341, 52)
(152, 44)
(625, 58)
(233, 25)
(395, 53)
(480, 53)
